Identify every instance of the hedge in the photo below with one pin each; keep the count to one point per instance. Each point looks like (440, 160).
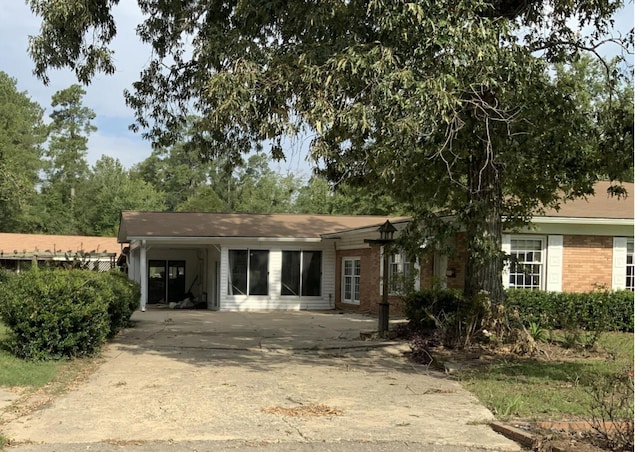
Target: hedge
(53, 314)
(599, 310)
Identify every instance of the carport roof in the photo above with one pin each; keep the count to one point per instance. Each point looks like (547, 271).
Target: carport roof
(205, 224)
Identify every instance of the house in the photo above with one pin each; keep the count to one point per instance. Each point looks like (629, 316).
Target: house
(19, 251)
(288, 261)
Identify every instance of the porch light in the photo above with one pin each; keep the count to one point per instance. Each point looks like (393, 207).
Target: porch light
(386, 232)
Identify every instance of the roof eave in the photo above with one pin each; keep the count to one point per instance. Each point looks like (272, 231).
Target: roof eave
(582, 220)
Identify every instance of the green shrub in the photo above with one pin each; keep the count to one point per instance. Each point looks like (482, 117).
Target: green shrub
(599, 310)
(426, 308)
(122, 296)
(54, 314)
(457, 319)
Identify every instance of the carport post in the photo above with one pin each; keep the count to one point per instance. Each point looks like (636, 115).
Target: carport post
(144, 281)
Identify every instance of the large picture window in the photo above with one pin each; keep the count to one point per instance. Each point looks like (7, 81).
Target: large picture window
(526, 267)
(249, 272)
(351, 280)
(301, 273)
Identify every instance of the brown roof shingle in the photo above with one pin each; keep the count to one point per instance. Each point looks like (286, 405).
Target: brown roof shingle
(51, 244)
(600, 205)
(205, 224)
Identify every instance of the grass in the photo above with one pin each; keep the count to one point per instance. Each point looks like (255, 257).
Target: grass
(47, 379)
(26, 374)
(548, 389)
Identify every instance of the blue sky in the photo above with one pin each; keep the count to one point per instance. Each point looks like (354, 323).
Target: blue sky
(105, 94)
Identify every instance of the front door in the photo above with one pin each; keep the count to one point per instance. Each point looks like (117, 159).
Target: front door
(166, 281)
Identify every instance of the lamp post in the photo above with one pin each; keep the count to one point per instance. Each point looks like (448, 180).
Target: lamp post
(386, 236)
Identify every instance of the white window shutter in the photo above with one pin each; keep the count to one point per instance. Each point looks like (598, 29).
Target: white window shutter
(506, 248)
(416, 281)
(554, 263)
(619, 275)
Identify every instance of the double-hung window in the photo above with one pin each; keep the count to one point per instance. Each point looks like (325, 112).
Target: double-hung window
(301, 273)
(400, 273)
(527, 263)
(351, 280)
(249, 272)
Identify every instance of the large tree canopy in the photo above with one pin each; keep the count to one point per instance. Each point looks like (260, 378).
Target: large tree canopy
(22, 132)
(447, 105)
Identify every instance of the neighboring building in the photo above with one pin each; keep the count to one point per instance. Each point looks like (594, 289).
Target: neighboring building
(19, 251)
(287, 261)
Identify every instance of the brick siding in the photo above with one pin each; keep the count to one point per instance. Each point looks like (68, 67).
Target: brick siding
(587, 261)
(369, 283)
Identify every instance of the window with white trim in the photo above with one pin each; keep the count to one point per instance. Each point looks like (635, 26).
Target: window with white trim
(248, 272)
(630, 267)
(400, 273)
(301, 273)
(526, 267)
(351, 280)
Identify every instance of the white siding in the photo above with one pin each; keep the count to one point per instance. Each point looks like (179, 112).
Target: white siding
(274, 301)
(619, 271)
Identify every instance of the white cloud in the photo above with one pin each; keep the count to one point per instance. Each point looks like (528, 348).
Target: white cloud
(129, 149)
(104, 95)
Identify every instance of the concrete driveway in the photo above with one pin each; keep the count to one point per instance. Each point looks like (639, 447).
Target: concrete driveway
(281, 381)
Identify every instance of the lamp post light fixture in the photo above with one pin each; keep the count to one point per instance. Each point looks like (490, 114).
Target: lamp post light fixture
(386, 236)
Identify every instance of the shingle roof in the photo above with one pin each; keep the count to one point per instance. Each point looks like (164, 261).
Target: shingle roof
(11, 244)
(205, 224)
(601, 205)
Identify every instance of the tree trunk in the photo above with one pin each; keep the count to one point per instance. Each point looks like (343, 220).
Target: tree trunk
(484, 263)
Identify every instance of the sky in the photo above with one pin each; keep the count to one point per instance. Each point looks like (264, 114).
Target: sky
(105, 94)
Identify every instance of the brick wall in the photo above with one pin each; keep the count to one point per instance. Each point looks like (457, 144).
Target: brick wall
(587, 260)
(455, 267)
(369, 283)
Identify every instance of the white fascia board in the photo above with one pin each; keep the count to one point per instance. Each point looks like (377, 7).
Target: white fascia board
(209, 240)
(590, 221)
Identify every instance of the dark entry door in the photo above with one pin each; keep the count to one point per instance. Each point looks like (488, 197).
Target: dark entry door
(166, 281)
(175, 280)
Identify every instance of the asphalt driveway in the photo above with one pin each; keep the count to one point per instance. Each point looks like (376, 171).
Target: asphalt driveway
(284, 381)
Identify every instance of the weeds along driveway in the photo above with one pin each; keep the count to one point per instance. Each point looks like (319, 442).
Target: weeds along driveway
(273, 377)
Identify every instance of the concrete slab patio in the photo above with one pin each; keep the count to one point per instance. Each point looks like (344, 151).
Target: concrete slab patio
(285, 381)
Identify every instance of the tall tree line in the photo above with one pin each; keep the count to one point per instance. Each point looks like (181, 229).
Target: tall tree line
(47, 185)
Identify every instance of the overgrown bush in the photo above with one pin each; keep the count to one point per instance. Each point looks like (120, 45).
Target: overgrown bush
(612, 410)
(599, 310)
(53, 314)
(457, 319)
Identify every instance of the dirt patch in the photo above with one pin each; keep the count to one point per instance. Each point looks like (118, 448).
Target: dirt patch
(305, 410)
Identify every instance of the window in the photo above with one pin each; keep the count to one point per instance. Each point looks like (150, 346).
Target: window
(301, 273)
(400, 274)
(526, 267)
(351, 280)
(630, 273)
(249, 272)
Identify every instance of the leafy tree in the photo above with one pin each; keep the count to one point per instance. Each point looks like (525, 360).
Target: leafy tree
(448, 105)
(110, 189)
(262, 190)
(22, 133)
(67, 168)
